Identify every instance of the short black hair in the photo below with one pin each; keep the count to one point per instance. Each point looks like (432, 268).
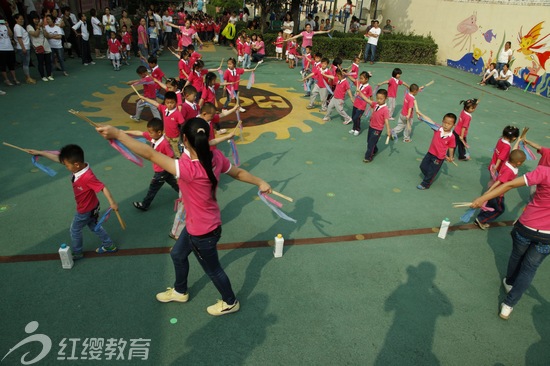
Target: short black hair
(152, 60)
(156, 124)
(450, 115)
(170, 95)
(396, 71)
(384, 92)
(71, 154)
(141, 70)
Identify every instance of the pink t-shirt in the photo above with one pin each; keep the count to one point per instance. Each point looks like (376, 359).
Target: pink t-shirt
(342, 86)
(114, 45)
(379, 116)
(162, 146)
(545, 156)
(318, 76)
(187, 36)
(186, 67)
(307, 39)
(142, 34)
(202, 213)
(172, 121)
(354, 72)
(196, 78)
(209, 93)
(441, 142)
(537, 212)
(501, 152)
(463, 122)
(233, 75)
(261, 47)
(507, 173)
(189, 110)
(408, 103)
(359, 102)
(247, 50)
(393, 84)
(85, 189)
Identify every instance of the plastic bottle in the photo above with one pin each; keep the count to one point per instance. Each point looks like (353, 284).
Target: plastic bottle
(444, 228)
(279, 243)
(66, 256)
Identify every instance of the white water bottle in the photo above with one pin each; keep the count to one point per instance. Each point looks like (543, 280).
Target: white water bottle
(66, 256)
(444, 228)
(279, 243)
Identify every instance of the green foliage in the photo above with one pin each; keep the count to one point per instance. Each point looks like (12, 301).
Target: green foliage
(391, 48)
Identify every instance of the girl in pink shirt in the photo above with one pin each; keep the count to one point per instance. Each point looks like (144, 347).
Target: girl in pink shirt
(461, 129)
(341, 88)
(198, 171)
(363, 94)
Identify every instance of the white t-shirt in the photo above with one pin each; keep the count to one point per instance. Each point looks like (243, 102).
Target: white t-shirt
(54, 43)
(40, 40)
(504, 55)
(158, 21)
(374, 40)
(83, 30)
(167, 28)
(5, 41)
(508, 75)
(233, 19)
(288, 24)
(109, 22)
(95, 26)
(20, 32)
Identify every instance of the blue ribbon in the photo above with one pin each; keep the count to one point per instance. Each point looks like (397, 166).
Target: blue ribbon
(275, 209)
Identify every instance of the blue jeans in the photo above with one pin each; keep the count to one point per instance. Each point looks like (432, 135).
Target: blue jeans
(205, 250)
(370, 48)
(372, 139)
(89, 219)
(60, 56)
(25, 60)
(530, 248)
(154, 46)
(356, 115)
(430, 166)
(500, 65)
(156, 183)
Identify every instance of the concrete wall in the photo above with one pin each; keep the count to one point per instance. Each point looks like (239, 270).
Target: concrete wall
(470, 32)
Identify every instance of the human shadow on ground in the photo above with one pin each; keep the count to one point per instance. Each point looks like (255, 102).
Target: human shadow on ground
(231, 339)
(537, 353)
(303, 210)
(417, 304)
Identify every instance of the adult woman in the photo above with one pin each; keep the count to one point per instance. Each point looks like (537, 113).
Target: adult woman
(97, 32)
(41, 46)
(504, 56)
(55, 36)
(142, 39)
(109, 23)
(259, 47)
(187, 33)
(23, 46)
(307, 38)
(198, 172)
(125, 21)
(7, 54)
(288, 26)
(530, 236)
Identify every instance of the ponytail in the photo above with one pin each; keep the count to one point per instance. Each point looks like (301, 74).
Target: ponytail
(197, 132)
(468, 103)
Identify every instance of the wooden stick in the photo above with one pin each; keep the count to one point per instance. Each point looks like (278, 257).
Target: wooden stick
(430, 83)
(122, 223)
(16, 147)
(237, 127)
(388, 139)
(221, 64)
(136, 91)
(83, 117)
(282, 196)
(455, 164)
(521, 137)
(462, 205)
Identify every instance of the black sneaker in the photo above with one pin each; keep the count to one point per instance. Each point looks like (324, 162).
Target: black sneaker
(140, 206)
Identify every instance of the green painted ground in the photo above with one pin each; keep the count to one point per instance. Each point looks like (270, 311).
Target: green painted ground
(414, 299)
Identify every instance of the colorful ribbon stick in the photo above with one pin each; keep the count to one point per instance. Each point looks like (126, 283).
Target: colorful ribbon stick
(220, 72)
(468, 215)
(394, 135)
(329, 89)
(103, 218)
(529, 154)
(44, 168)
(143, 82)
(238, 114)
(230, 91)
(117, 145)
(234, 153)
(274, 207)
(329, 35)
(432, 125)
(250, 81)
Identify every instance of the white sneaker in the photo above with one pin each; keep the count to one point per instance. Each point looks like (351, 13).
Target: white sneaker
(93, 63)
(241, 109)
(507, 287)
(50, 78)
(45, 79)
(326, 118)
(355, 133)
(222, 308)
(134, 118)
(351, 132)
(2, 92)
(505, 311)
(171, 295)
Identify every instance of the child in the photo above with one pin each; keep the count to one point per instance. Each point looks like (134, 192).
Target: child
(442, 141)
(196, 77)
(320, 88)
(193, 55)
(189, 108)
(291, 53)
(198, 175)
(461, 129)
(508, 172)
(171, 85)
(406, 116)
(171, 117)
(393, 84)
(314, 64)
(114, 47)
(85, 187)
(155, 134)
(184, 67)
(490, 75)
(149, 91)
(247, 52)
(362, 96)
(340, 90)
(126, 44)
(152, 31)
(354, 69)
(279, 46)
(378, 120)
(232, 75)
(240, 47)
(502, 149)
(156, 73)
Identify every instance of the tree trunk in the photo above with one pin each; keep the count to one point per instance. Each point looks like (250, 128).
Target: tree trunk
(295, 9)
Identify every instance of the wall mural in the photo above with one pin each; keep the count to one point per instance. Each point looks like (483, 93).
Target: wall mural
(530, 60)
